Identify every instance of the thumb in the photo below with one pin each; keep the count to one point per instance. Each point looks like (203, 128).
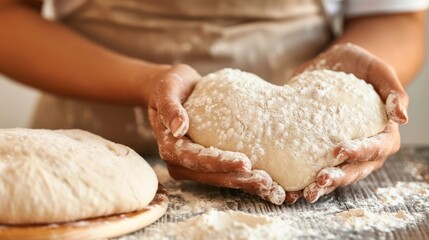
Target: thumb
(385, 80)
(174, 117)
(167, 101)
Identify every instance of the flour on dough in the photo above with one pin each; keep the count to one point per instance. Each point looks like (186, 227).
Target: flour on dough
(51, 176)
(289, 131)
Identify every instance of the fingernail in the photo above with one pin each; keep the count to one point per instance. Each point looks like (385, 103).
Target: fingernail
(327, 176)
(399, 115)
(312, 193)
(277, 195)
(342, 156)
(291, 201)
(312, 197)
(292, 197)
(309, 192)
(324, 181)
(403, 115)
(315, 196)
(395, 109)
(177, 127)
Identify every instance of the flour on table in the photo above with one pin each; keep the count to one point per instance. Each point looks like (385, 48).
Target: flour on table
(230, 225)
(418, 170)
(199, 202)
(288, 131)
(417, 192)
(233, 225)
(364, 220)
(195, 207)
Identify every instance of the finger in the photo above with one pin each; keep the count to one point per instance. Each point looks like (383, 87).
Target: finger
(353, 59)
(351, 174)
(256, 182)
(172, 91)
(168, 104)
(160, 130)
(379, 74)
(184, 152)
(385, 80)
(292, 197)
(199, 158)
(312, 192)
(356, 171)
(369, 149)
(325, 178)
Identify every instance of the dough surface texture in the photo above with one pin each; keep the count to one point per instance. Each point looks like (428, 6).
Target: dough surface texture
(288, 131)
(49, 176)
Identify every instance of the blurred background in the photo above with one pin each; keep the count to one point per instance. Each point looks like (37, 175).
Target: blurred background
(18, 101)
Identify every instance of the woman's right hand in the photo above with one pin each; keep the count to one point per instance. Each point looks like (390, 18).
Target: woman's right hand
(187, 160)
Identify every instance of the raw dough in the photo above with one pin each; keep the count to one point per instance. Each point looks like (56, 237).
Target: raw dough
(64, 175)
(288, 131)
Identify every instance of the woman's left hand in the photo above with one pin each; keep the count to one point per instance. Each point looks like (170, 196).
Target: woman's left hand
(361, 156)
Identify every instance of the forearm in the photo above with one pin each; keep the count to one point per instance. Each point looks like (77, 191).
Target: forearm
(397, 39)
(48, 56)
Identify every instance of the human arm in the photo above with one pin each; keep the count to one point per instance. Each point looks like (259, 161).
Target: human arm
(51, 57)
(386, 51)
(397, 39)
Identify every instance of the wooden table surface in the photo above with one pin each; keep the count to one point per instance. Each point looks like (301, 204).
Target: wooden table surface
(188, 199)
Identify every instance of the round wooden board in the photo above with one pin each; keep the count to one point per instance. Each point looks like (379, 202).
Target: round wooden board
(96, 228)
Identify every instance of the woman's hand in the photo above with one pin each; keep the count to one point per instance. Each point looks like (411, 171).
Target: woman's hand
(187, 160)
(361, 156)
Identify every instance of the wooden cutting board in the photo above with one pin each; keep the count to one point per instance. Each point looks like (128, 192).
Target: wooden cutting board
(96, 228)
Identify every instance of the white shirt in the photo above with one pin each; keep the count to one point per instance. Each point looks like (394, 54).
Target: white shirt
(349, 8)
(365, 7)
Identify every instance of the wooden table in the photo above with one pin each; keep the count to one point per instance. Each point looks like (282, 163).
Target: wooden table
(188, 199)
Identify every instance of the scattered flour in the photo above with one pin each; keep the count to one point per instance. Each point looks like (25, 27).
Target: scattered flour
(419, 170)
(231, 225)
(202, 212)
(364, 220)
(416, 192)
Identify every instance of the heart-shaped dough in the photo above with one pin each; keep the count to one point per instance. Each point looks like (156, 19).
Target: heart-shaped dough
(288, 131)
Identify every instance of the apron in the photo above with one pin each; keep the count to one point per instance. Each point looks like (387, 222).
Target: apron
(267, 37)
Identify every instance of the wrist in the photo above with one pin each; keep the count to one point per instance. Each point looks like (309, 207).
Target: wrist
(144, 78)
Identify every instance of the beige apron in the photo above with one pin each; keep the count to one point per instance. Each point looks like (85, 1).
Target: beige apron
(267, 37)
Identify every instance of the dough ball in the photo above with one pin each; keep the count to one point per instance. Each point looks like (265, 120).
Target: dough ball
(289, 131)
(65, 175)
